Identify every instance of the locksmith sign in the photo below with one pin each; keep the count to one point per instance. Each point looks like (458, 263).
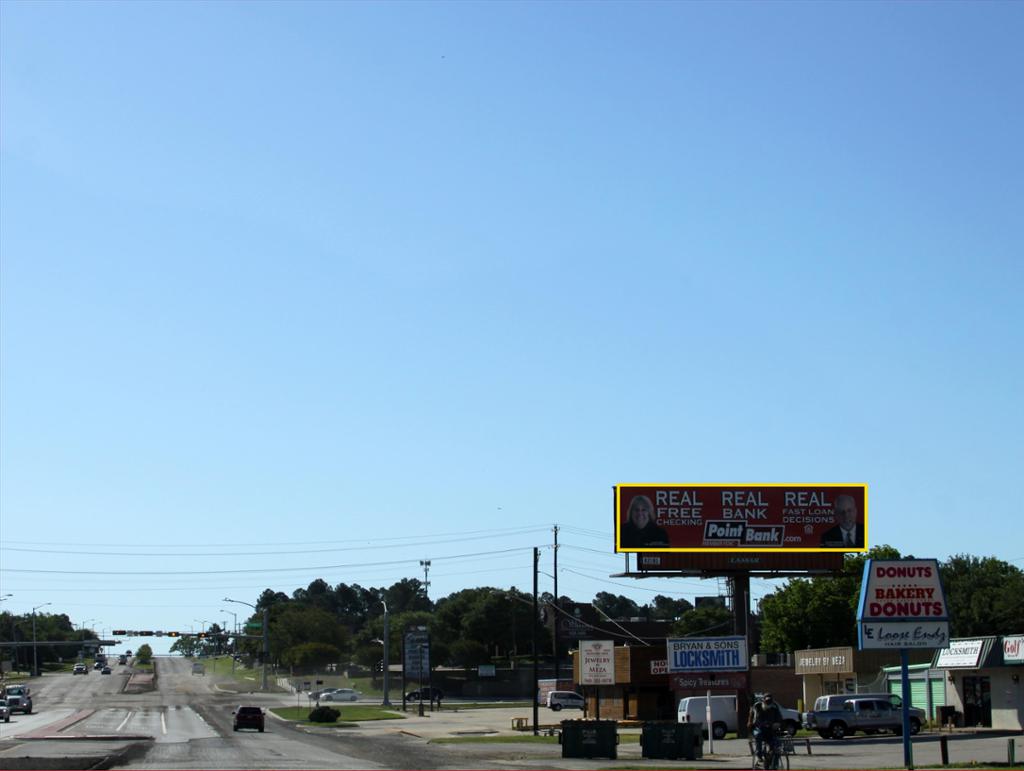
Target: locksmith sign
(902, 605)
(707, 654)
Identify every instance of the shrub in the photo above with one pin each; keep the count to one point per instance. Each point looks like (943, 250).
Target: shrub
(324, 715)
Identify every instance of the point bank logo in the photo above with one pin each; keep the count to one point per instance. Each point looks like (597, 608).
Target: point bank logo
(742, 534)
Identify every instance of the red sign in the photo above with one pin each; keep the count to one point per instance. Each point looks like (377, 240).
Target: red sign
(712, 681)
(741, 518)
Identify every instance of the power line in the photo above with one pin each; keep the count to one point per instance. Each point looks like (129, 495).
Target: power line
(276, 553)
(249, 570)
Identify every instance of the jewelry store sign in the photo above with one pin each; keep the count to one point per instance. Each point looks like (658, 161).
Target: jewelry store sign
(902, 605)
(597, 662)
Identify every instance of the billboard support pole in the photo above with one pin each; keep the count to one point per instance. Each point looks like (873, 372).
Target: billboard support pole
(740, 612)
(908, 749)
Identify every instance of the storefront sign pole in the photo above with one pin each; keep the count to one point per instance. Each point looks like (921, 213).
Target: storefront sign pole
(908, 750)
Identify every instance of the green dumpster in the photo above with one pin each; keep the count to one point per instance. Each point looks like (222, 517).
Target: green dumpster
(672, 741)
(589, 739)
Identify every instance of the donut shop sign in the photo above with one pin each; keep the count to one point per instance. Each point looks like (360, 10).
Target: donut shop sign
(902, 605)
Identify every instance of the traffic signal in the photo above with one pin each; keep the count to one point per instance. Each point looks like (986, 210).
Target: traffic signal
(201, 635)
(120, 633)
(174, 634)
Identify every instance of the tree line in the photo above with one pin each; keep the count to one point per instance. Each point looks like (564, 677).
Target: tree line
(322, 624)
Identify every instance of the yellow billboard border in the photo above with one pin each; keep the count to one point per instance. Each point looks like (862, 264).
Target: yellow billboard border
(725, 550)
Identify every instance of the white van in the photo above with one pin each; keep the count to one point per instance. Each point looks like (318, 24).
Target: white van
(693, 709)
(568, 699)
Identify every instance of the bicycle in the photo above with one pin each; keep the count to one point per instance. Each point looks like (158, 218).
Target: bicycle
(775, 753)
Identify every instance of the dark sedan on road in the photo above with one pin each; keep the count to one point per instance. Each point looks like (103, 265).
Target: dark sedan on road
(249, 717)
(429, 694)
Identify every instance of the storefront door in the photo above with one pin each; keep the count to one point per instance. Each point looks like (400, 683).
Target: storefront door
(977, 701)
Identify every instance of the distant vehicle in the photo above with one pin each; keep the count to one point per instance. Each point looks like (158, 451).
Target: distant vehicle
(340, 694)
(321, 693)
(857, 712)
(198, 669)
(693, 709)
(122, 659)
(249, 717)
(558, 700)
(98, 664)
(19, 698)
(105, 671)
(5, 711)
(429, 694)
(80, 669)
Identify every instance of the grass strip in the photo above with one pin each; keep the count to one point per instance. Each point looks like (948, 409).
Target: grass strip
(349, 714)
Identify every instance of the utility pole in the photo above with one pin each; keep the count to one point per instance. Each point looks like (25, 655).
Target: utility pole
(266, 643)
(536, 666)
(425, 564)
(387, 664)
(557, 614)
(35, 654)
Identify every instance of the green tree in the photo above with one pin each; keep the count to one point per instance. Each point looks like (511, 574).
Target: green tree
(663, 608)
(616, 606)
(985, 595)
(144, 653)
(293, 624)
(186, 646)
(818, 612)
(311, 654)
(407, 595)
(708, 621)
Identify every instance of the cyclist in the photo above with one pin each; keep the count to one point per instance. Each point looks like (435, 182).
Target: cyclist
(765, 717)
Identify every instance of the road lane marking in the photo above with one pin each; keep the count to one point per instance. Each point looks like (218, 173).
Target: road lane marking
(163, 723)
(125, 721)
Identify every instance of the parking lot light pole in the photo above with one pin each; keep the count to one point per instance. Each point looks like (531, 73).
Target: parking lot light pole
(266, 635)
(35, 655)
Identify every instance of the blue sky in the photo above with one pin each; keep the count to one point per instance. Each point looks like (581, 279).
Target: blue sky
(322, 275)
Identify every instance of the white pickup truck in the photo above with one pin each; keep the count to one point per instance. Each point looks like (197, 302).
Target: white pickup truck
(19, 698)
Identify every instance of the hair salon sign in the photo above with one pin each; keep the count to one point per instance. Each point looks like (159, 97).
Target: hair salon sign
(902, 605)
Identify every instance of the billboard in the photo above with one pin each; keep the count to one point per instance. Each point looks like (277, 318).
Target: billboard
(700, 517)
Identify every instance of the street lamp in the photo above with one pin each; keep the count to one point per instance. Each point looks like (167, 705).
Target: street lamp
(234, 638)
(35, 657)
(266, 634)
(234, 616)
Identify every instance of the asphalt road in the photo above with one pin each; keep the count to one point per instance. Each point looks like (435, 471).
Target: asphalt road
(186, 723)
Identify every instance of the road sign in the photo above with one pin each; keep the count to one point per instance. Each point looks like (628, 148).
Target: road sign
(417, 653)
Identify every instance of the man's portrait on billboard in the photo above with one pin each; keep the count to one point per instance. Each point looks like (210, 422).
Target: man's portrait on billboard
(848, 531)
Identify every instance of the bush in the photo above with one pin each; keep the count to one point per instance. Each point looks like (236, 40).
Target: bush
(324, 715)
